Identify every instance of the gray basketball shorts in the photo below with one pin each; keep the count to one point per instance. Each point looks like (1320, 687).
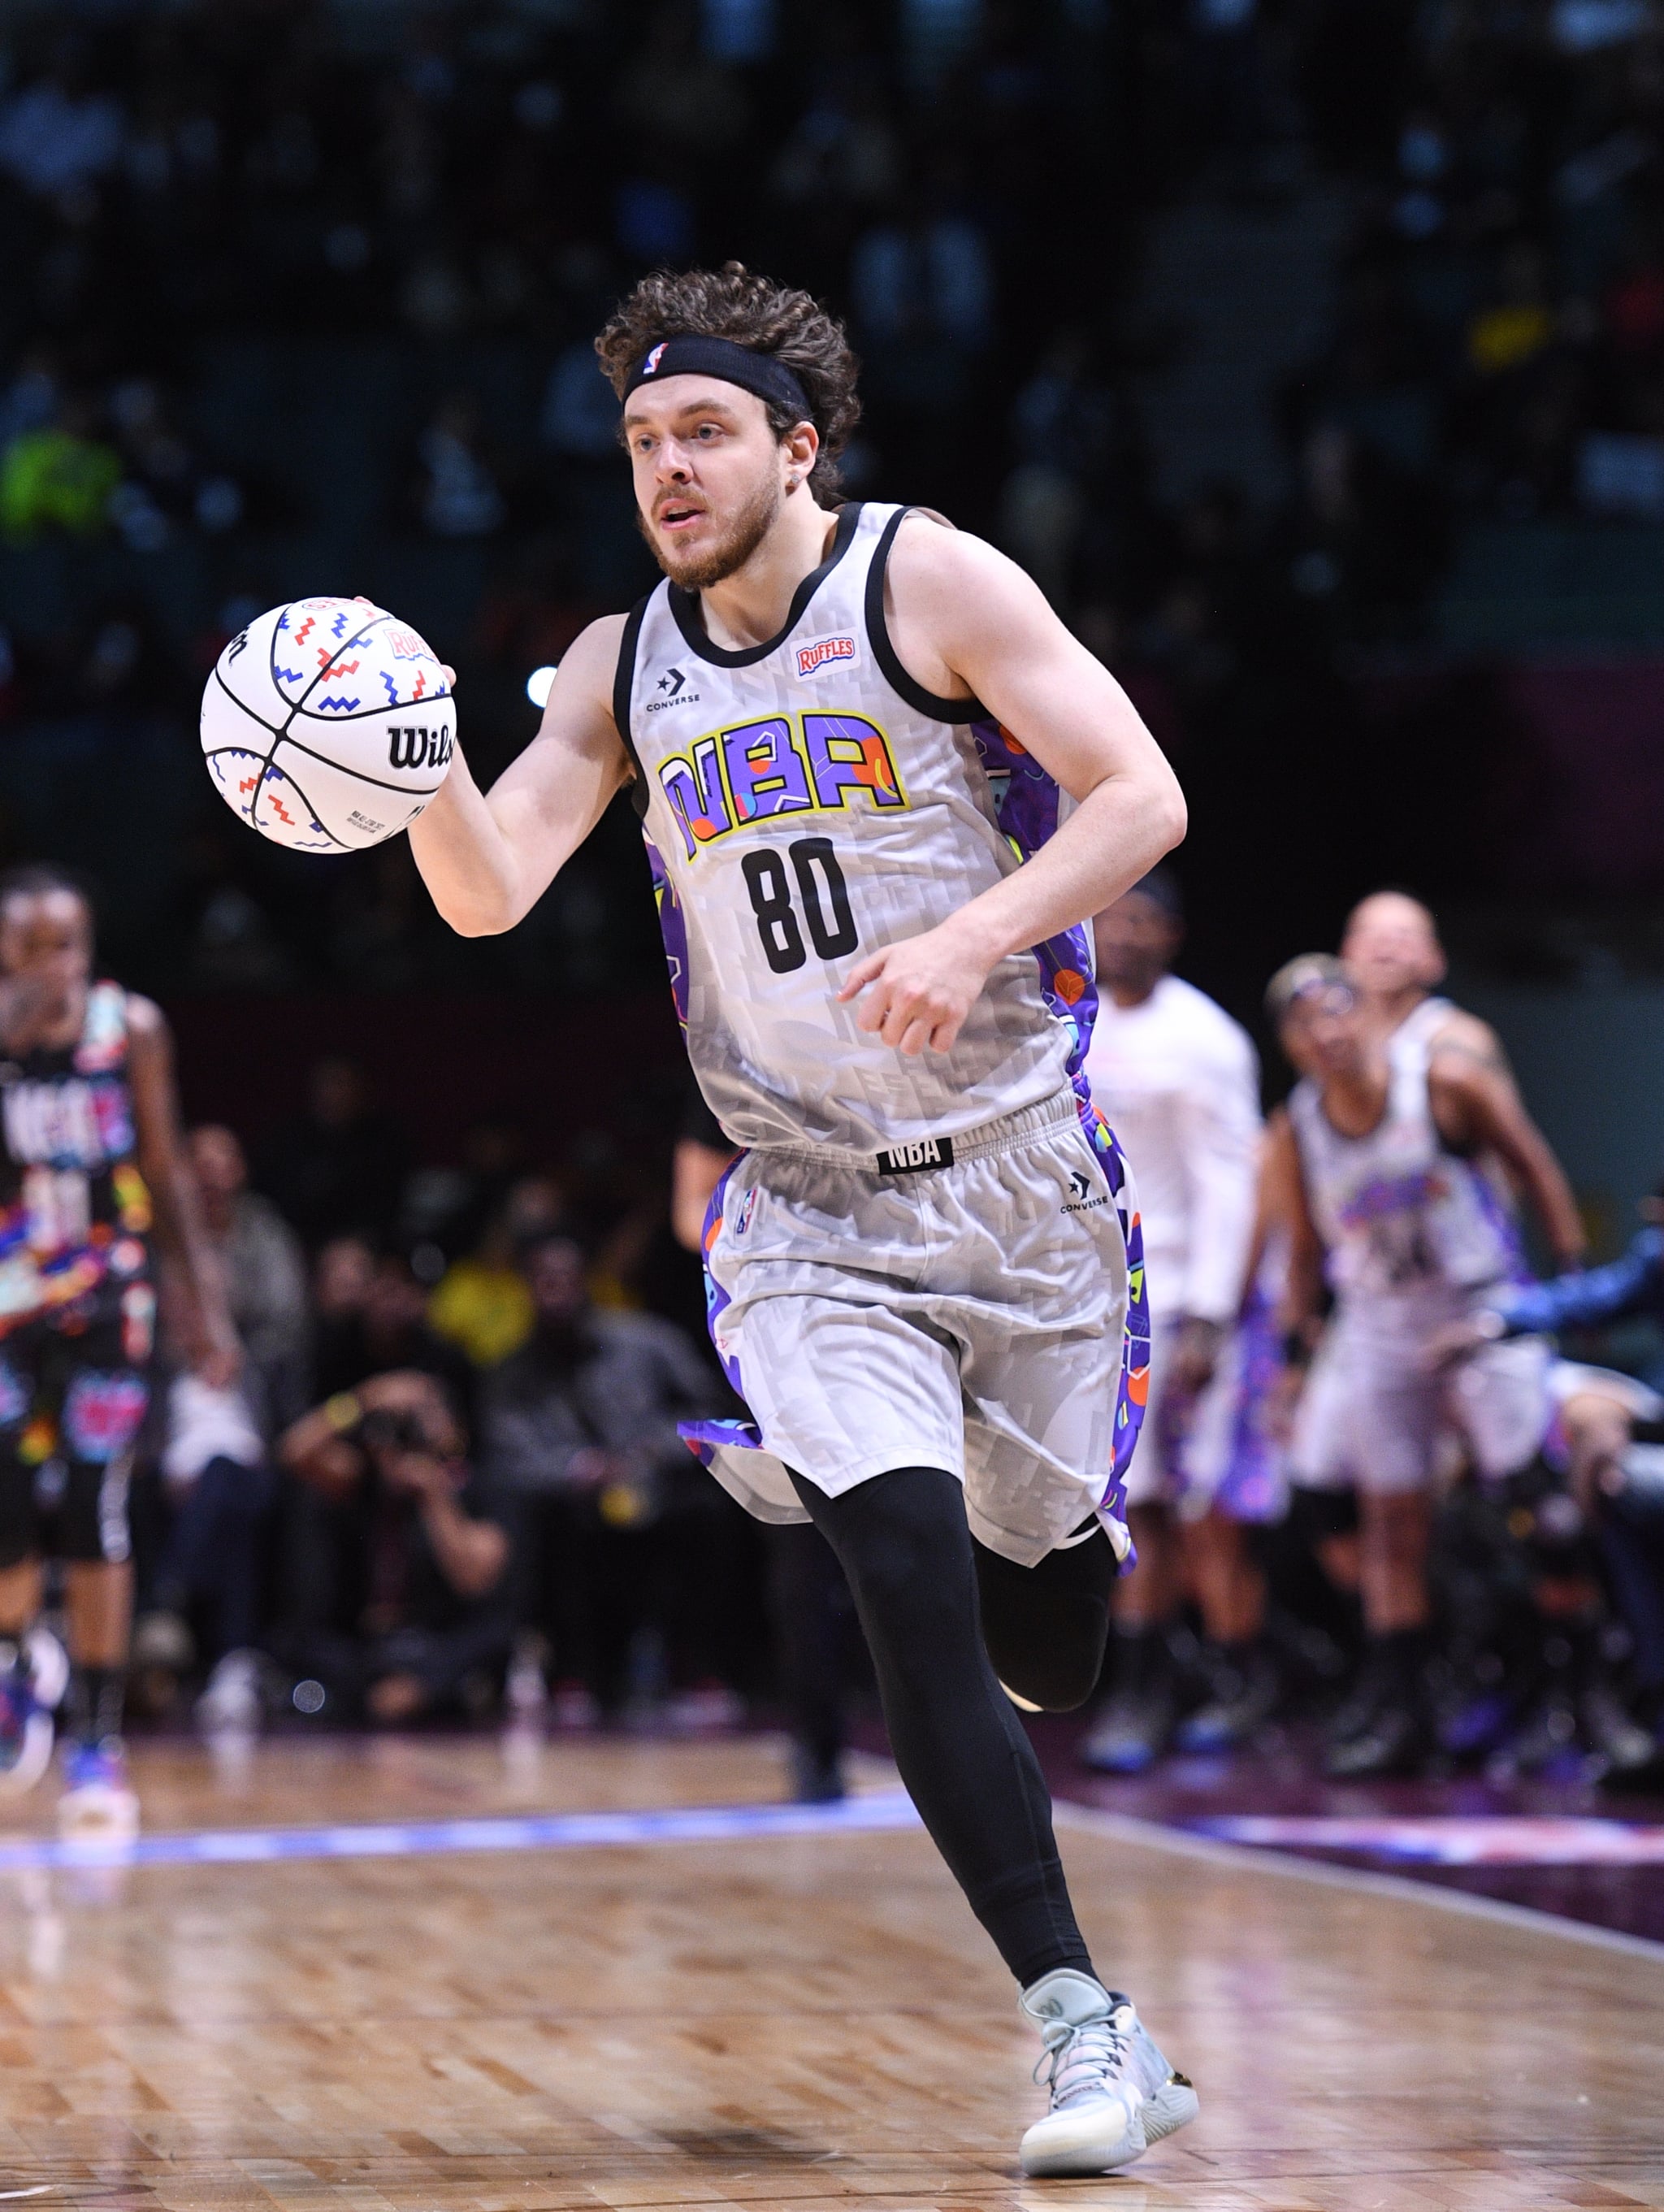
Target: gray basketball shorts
(967, 1316)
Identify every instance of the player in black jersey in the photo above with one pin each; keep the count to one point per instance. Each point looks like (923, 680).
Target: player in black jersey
(92, 1177)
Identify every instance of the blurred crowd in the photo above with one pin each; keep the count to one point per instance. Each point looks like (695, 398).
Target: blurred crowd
(449, 1474)
(449, 1483)
(301, 297)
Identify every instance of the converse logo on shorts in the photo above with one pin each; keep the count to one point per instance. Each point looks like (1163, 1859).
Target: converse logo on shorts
(915, 1159)
(1081, 1203)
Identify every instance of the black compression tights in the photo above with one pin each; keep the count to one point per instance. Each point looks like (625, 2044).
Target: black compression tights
(933, 1604)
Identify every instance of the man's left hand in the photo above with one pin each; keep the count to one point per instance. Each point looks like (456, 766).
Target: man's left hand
(918, 992)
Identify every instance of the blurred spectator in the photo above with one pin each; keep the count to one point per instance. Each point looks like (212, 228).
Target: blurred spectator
(165, 484)
(1359, 543)
(673, 93)
(371, 1317)
(403, 1611)
(57, 135)
(265, 1272)
(59, 476)
(923, 287)
(217, 1494)
(457, 494)
(341, 1163)
(580, 417)
(622, 1531)
(484, 1303)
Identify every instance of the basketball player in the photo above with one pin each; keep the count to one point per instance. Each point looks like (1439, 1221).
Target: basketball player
(91, 1156)
(843, 727)
(1179, 1082)
(1384, 1143)
(1392, 951)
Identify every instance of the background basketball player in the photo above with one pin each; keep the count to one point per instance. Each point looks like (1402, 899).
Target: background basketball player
(1384, 1148)
(92, 1172)
(1179, 1082)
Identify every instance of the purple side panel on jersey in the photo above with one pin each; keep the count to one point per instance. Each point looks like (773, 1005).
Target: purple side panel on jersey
(703, 1438)
(673, 927)
(1026, 805)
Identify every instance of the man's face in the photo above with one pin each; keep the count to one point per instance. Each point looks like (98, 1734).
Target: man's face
(394, 1300)
(341, 1280)
(48, 937)
(216, 1159)
(1322, 1034)
(1136, 939)
(1391, 946)
(710, 475)
(555, 1275)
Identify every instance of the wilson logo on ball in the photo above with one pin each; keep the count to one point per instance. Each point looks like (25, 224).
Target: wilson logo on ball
(415, 746)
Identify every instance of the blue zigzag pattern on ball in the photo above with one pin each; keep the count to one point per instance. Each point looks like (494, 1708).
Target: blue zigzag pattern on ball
(392, 687)
(339, 704)
(338, 626)
(290, 675)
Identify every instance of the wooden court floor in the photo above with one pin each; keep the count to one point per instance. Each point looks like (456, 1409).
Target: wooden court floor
(808, 2022)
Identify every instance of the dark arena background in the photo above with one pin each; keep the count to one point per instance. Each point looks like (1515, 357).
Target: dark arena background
(1309, 355)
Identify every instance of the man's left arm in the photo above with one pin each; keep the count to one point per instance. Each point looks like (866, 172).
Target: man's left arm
(180, 1231)
(471, 1552)
(968, 623)
(1478, 1103)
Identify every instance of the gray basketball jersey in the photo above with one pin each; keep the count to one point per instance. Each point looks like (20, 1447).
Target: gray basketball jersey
(805, 803)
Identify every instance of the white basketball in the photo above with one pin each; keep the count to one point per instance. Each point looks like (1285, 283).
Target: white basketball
(328, 725)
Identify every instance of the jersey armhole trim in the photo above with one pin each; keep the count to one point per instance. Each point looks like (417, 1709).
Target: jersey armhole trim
(623, 686)
(878, 632)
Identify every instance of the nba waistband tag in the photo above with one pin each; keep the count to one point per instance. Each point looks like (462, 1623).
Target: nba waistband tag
(915, 1159)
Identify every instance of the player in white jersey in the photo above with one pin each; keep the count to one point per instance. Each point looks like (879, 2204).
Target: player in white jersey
(1179, 1082)
(1391, 950)
(1383, 1149)
(845, 727)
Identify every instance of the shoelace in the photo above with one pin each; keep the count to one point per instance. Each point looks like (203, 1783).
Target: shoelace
(1076, 2059)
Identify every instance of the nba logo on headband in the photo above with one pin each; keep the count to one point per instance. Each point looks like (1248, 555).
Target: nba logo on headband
(654, 359)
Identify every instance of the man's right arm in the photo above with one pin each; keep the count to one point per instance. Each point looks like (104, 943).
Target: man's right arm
(488, 857)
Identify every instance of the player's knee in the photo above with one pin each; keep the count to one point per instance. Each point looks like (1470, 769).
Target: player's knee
(1047, 1626)
(1058, 1681)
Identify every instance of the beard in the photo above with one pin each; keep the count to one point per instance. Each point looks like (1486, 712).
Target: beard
(714, 563)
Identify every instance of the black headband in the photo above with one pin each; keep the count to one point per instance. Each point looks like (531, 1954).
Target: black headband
(690, 355)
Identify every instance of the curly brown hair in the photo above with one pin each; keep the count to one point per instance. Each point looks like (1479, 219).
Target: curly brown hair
(732, 302)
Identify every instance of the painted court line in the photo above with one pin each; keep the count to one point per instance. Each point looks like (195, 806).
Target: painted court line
(551, 1832)
(1453, 1840)
(1287, 1866)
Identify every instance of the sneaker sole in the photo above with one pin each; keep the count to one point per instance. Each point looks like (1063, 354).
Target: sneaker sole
(1080, 2161)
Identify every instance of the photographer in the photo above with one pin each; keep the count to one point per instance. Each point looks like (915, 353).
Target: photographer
(402, 1609)
(627, 1546)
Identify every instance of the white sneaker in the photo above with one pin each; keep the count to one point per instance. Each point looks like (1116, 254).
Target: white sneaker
(34, 1675)
(98, 1805)
(231, 1697)
(1112, 2093)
